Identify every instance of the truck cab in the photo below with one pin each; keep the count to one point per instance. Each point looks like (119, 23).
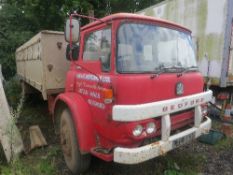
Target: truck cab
(133, 91)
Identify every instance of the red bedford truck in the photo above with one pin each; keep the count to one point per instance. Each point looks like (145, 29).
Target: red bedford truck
(132, 92)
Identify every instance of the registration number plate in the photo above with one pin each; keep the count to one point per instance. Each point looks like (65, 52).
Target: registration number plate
(183, 140)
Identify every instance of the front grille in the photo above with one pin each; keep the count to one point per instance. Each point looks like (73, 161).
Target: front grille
(181, 112)
(181, 120)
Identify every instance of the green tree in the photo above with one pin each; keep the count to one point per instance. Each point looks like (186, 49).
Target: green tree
(21, 19)
(13, 33)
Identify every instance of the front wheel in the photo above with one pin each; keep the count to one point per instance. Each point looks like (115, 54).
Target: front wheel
(75, 161)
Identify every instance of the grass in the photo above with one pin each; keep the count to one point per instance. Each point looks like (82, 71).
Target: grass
(39, 163)
(224, 144)
(16, 167)
(183, 162)
(227, 142)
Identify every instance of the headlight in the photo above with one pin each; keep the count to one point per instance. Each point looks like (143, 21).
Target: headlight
(137, 131)
(150, 128)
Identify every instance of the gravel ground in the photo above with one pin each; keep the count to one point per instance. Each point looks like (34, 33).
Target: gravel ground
(220, 162)
(217, 161)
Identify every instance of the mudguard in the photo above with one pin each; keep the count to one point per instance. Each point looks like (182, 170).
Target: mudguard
(82, 119)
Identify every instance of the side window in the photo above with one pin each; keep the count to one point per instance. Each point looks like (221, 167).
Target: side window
(98, 46)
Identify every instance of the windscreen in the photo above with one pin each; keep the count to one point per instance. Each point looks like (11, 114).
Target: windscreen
(147, 48)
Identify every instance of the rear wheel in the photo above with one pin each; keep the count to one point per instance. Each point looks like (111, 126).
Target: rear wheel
(75, 161)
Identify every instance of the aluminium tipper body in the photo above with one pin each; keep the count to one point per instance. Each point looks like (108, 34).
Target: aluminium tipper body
(41, 62)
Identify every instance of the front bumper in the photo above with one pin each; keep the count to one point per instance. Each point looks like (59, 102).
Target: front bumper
(163, 109)
(141, 154)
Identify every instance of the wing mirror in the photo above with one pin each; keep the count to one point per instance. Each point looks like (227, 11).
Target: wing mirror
(72, 30)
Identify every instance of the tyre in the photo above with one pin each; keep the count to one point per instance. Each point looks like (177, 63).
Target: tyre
(75, 161)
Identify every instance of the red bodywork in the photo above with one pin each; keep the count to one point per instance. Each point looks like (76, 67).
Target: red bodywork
(84, 96)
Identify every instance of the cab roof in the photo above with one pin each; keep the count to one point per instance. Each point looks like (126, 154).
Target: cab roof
(110, 18)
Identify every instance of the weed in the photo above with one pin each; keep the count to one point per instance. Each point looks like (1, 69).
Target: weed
(13, 91)
(12, 130)
(41, 162)
(172, 172)
(15, 168)
(45, 167)
(224, 144)
(183, 162)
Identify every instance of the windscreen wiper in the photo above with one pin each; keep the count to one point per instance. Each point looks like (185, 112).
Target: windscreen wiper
(158, 70)
(188, 69)
(176, 69)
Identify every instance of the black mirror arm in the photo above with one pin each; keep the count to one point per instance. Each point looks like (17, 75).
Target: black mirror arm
(72, 52)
